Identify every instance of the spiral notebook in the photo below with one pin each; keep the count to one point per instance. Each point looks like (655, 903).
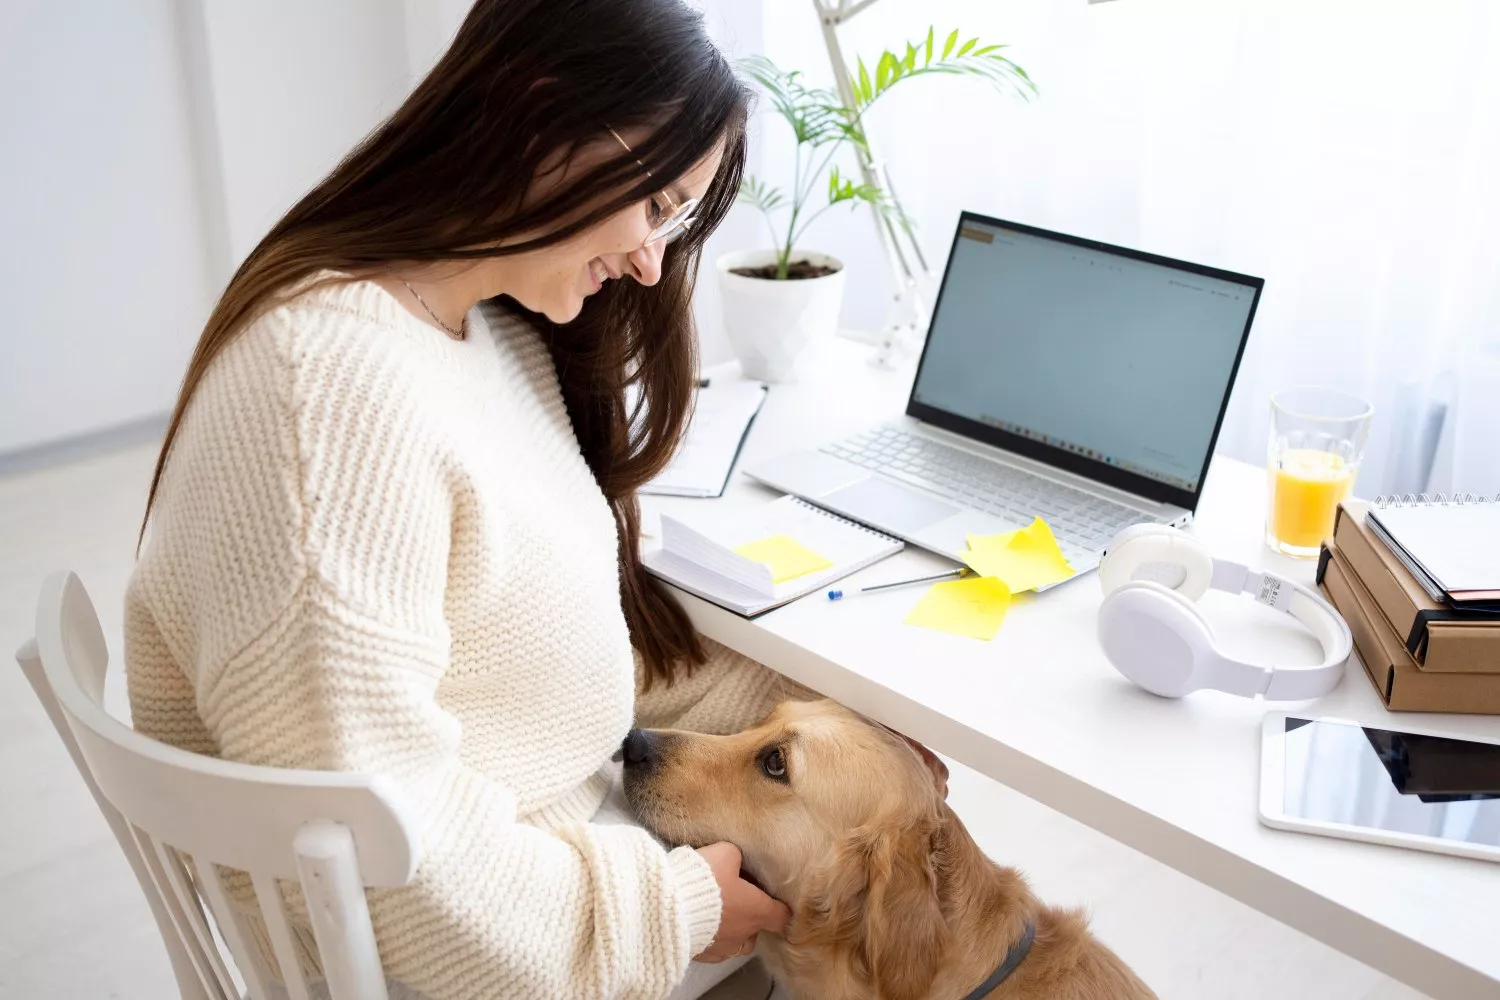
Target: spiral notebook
(775, 554)
(1451, 545)
(722, 415)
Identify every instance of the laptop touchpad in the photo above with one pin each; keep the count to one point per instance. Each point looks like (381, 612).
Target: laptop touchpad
(895, 508)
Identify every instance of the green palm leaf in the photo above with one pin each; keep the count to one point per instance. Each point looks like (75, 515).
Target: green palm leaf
(821, 124)
(986, 62)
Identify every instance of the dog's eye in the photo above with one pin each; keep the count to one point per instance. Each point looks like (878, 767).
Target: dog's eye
(774, 764)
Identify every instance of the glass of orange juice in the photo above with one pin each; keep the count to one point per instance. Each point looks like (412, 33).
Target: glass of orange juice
(1318, 438)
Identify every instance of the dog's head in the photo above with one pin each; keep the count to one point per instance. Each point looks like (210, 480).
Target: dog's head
(839, 817)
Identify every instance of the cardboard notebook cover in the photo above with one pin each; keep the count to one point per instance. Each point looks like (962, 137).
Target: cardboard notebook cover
(1389, 665)
(1439, 638)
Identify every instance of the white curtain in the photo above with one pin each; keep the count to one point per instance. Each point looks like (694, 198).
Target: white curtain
(1348, 152)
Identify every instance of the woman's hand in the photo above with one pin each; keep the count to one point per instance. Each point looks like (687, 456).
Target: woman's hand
(747, 910)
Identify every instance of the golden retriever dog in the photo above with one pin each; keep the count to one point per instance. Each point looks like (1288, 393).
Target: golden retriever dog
(891, 898)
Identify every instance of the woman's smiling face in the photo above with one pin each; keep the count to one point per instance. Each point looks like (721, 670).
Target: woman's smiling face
(555, 280)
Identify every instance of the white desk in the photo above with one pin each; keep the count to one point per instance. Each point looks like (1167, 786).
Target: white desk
(1040, 710)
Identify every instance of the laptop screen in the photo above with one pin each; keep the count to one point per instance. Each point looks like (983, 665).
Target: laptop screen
(1109, 362)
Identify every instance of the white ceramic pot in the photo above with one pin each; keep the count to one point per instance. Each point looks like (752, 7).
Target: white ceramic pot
(769, 322)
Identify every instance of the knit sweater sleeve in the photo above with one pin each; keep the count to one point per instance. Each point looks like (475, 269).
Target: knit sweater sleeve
(319, 638)
(727, 693)
(163, 703)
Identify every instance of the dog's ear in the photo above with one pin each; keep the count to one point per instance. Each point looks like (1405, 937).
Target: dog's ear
(934, 764)
(905, 933)
(874, 911)
(930, 760)
(830, 908)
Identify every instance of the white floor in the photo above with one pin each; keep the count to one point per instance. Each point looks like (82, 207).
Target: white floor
(73, 925)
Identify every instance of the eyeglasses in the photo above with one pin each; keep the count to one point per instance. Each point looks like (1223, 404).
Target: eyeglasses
(678, 219)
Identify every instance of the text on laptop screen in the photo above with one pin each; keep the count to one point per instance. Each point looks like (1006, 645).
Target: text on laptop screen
(1117, 359)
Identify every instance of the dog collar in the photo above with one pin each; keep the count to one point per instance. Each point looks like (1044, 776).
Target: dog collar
(1013, 958)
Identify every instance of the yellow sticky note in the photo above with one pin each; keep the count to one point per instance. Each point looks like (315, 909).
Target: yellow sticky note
(974, 606)
(1022, 560)
(787, 557)
(991, 541)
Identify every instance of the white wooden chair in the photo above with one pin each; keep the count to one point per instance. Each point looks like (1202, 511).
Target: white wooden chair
(178, 814)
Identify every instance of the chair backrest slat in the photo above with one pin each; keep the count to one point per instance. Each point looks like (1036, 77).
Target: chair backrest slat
(274, 914)
(184, 967)
(178, 815)
(187, 902)
(211, 886)
(335, 899)
(180, 924)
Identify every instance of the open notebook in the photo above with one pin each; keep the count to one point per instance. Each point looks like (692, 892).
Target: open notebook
(722, 414)
(754, 562)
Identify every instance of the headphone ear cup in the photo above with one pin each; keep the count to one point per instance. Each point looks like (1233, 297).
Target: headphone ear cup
(1155, 637)
(1120, 559)
(1158, 554)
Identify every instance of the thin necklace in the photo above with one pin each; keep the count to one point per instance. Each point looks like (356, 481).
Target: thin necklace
(455, 334)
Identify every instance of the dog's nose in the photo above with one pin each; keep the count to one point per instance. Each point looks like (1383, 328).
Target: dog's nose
(638, 749)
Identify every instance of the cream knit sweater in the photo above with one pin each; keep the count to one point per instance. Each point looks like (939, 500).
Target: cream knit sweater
(379, 549)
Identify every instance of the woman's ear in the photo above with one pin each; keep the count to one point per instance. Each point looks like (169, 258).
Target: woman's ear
(905, 934)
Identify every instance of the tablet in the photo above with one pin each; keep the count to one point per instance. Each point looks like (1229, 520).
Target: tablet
(1403, 787)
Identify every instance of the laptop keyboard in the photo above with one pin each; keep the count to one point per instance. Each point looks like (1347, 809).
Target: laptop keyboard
(1080, 520)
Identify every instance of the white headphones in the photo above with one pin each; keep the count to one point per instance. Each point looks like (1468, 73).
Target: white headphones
(1154, 635)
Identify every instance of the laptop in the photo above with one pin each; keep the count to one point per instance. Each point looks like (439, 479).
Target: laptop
(1062, 378)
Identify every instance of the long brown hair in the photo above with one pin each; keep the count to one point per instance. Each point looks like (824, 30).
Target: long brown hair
(445, 178)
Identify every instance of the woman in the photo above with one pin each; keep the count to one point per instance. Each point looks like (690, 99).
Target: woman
(393, 528)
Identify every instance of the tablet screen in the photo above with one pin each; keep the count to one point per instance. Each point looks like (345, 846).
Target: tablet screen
(1380, 779)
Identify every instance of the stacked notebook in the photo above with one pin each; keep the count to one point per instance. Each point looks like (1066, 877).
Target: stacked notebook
(1451, 548)
(750, 563)
(1419, 583)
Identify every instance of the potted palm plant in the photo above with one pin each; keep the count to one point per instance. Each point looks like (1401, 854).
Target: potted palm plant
(776, 300)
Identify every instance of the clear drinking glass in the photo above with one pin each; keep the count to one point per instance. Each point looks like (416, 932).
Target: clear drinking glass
(1318, 438)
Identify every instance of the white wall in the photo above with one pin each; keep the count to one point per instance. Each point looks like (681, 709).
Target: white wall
(430, 26)
(101, 273)
(149, 145)
(738, 26)
(1346, 151)
(296, 85)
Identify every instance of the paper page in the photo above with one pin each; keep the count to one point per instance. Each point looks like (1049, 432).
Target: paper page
(721, 414)
(841, 544)
(974, 606)
(709, 586)
(1023, 560)
(697, 549)
(787, 557)
(1457, 545)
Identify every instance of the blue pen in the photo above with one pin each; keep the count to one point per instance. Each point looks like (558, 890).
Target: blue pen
(839, 595)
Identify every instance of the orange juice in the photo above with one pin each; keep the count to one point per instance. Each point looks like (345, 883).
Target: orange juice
(1306, 487)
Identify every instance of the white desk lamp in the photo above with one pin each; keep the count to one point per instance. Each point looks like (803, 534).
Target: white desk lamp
(906, 317)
